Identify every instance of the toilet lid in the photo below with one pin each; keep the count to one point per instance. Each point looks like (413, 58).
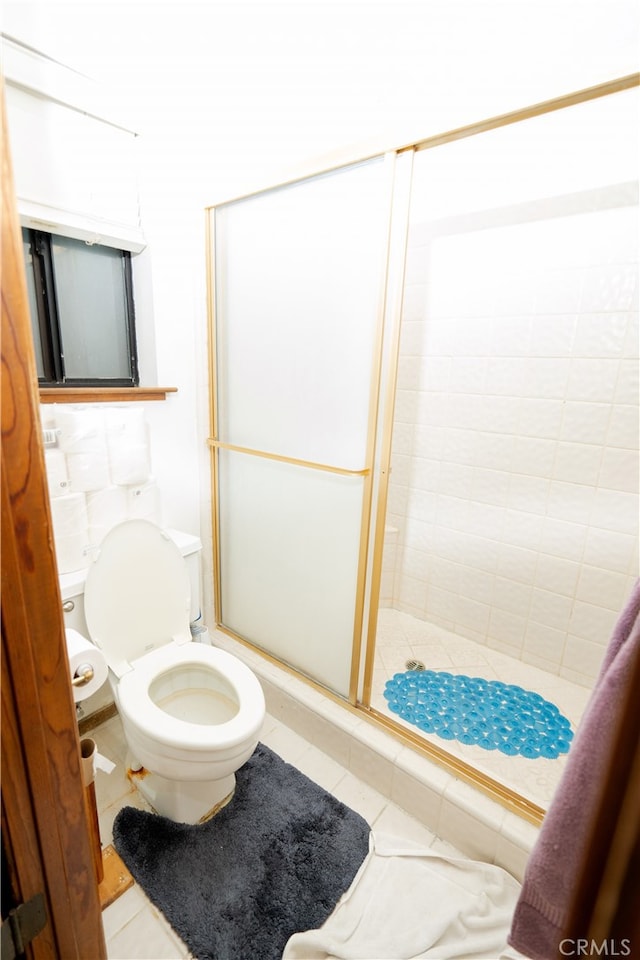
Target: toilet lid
(137, 596)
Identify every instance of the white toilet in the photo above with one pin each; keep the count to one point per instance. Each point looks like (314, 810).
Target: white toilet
(191, 713)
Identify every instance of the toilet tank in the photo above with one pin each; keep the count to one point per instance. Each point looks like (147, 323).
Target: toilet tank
(72, 593)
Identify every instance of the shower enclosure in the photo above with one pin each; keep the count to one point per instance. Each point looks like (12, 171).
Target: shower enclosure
(424, 414)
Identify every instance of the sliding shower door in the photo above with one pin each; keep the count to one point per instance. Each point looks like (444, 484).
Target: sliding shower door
(296, 299)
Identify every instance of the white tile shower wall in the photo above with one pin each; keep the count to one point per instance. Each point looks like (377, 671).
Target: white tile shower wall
(514, 482)
(388, 566)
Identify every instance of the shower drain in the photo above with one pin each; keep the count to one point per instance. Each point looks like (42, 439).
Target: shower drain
(414, 665)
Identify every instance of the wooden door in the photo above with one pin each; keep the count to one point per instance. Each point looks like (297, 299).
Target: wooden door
(46, 838)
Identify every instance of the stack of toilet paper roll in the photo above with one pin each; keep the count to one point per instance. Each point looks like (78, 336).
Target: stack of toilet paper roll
(105, 509)
(83, 655)
(104, 447)
(98, 475)
(57, 476)
(82, 445)
(81, 437)
(71, 532)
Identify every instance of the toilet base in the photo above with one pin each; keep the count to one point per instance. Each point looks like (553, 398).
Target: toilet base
(192, 801)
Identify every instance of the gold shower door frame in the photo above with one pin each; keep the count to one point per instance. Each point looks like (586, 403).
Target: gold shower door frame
(366, 473)
(381, 411)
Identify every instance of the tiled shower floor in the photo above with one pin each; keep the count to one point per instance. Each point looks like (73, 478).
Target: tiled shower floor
(402, 637)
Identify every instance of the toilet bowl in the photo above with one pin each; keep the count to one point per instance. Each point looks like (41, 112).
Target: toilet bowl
(191, 713)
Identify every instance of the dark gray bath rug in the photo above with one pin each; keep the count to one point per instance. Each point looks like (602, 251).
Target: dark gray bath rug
(273, 862)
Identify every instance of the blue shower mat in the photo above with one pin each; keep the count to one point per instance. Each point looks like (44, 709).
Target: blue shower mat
(491, 714)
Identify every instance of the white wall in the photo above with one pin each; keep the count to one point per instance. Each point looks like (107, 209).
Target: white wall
(230, 96)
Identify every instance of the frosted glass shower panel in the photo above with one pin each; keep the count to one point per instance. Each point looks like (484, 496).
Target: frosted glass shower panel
(289, 543)
(297, 296)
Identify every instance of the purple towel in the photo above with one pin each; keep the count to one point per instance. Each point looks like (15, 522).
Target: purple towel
(542, 909)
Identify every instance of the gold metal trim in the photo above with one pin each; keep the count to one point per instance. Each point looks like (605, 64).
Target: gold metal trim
(322, 169)
(386, 412)
(327, 467)
(526, 113)
(361, 154)
(464, 771)
(374, 391)
(213, 390)
(210, 246)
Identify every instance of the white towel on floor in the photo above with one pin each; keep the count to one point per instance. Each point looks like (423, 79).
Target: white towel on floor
(408, 902)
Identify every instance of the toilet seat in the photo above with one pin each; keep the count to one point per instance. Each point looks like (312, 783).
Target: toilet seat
(135, 700)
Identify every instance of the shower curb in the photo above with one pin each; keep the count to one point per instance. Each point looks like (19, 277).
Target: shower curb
(456, 811)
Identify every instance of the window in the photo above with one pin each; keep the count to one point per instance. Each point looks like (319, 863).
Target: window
(82, 317)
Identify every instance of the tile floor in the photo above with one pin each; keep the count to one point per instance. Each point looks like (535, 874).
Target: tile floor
(134, 929)
(401, 637)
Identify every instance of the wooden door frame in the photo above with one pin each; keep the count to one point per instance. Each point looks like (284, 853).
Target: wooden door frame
(46, 836)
